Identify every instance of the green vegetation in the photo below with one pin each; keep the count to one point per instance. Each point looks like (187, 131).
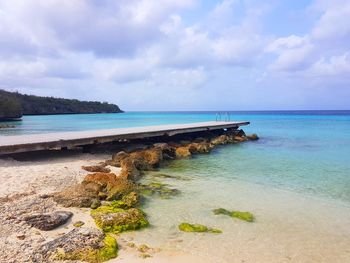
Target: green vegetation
(246, 216)
(187, 227)
(92, 255)
(10, 107)
(13, 105)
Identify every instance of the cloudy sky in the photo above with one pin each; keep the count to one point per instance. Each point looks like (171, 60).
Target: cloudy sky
(180, 54)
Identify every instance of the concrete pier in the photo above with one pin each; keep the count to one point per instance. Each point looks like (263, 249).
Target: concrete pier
(37, 142)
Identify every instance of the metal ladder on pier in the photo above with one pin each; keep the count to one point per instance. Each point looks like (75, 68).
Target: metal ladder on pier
(226, 116)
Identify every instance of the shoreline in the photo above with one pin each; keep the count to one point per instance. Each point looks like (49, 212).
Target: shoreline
(47, 172)
(14, 201)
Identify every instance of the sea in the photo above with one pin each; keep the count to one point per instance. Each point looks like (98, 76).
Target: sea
(295, 180)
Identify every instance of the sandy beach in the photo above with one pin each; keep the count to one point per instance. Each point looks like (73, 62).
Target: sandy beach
(26, 181)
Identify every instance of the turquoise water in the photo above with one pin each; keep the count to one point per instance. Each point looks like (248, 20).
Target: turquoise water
(307, 152)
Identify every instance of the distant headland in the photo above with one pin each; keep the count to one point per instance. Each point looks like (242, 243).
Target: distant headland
(14, 105)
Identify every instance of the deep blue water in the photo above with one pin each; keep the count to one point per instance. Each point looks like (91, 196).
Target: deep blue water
(302, 151)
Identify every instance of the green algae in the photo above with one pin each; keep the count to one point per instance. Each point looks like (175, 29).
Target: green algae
(78, 224)
(108, 251)
(110, 248)
(112, 218)
(128, 201)
(246, 216)
(187, 227)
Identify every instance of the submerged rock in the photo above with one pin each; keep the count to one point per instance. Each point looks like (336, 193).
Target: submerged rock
(253, 137)
(246, 216)
(48, 221)
(168, 176)
(161, 189)
(187, 227)
(84, 244)
(111, 218)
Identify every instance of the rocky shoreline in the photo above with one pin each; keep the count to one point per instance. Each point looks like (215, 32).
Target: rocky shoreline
(113, 200)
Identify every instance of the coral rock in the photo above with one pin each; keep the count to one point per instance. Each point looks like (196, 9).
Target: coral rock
(83, 244)
(182, 152)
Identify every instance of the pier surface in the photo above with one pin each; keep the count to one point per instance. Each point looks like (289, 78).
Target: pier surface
(37, 142)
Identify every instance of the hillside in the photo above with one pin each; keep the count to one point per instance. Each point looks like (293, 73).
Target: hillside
(13, 105)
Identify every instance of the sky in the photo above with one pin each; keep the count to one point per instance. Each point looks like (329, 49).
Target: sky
(169, 55)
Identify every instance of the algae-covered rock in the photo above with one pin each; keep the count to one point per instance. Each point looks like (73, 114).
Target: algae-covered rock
(182, 152)
(131, 199)
(111, 218)
(246, 216)
(83, 244)
(121, 187)
(200, 147)
(128, 201)
(158, 188)
(222, 139)
(187, 227)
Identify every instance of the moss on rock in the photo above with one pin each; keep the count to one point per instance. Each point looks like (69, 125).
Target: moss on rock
(246, 216)
(108, 251)
(111, 218)
(187, 227)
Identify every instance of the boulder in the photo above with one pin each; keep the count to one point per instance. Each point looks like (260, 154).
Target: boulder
(113, 219)
(82, 244)
(118, 157)
(182, 152)
(129, 170)
(253, 137)
(47, 222)
(80, 195)
(200, 147)
(240, 139)
(222, 139)
(103, 179)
